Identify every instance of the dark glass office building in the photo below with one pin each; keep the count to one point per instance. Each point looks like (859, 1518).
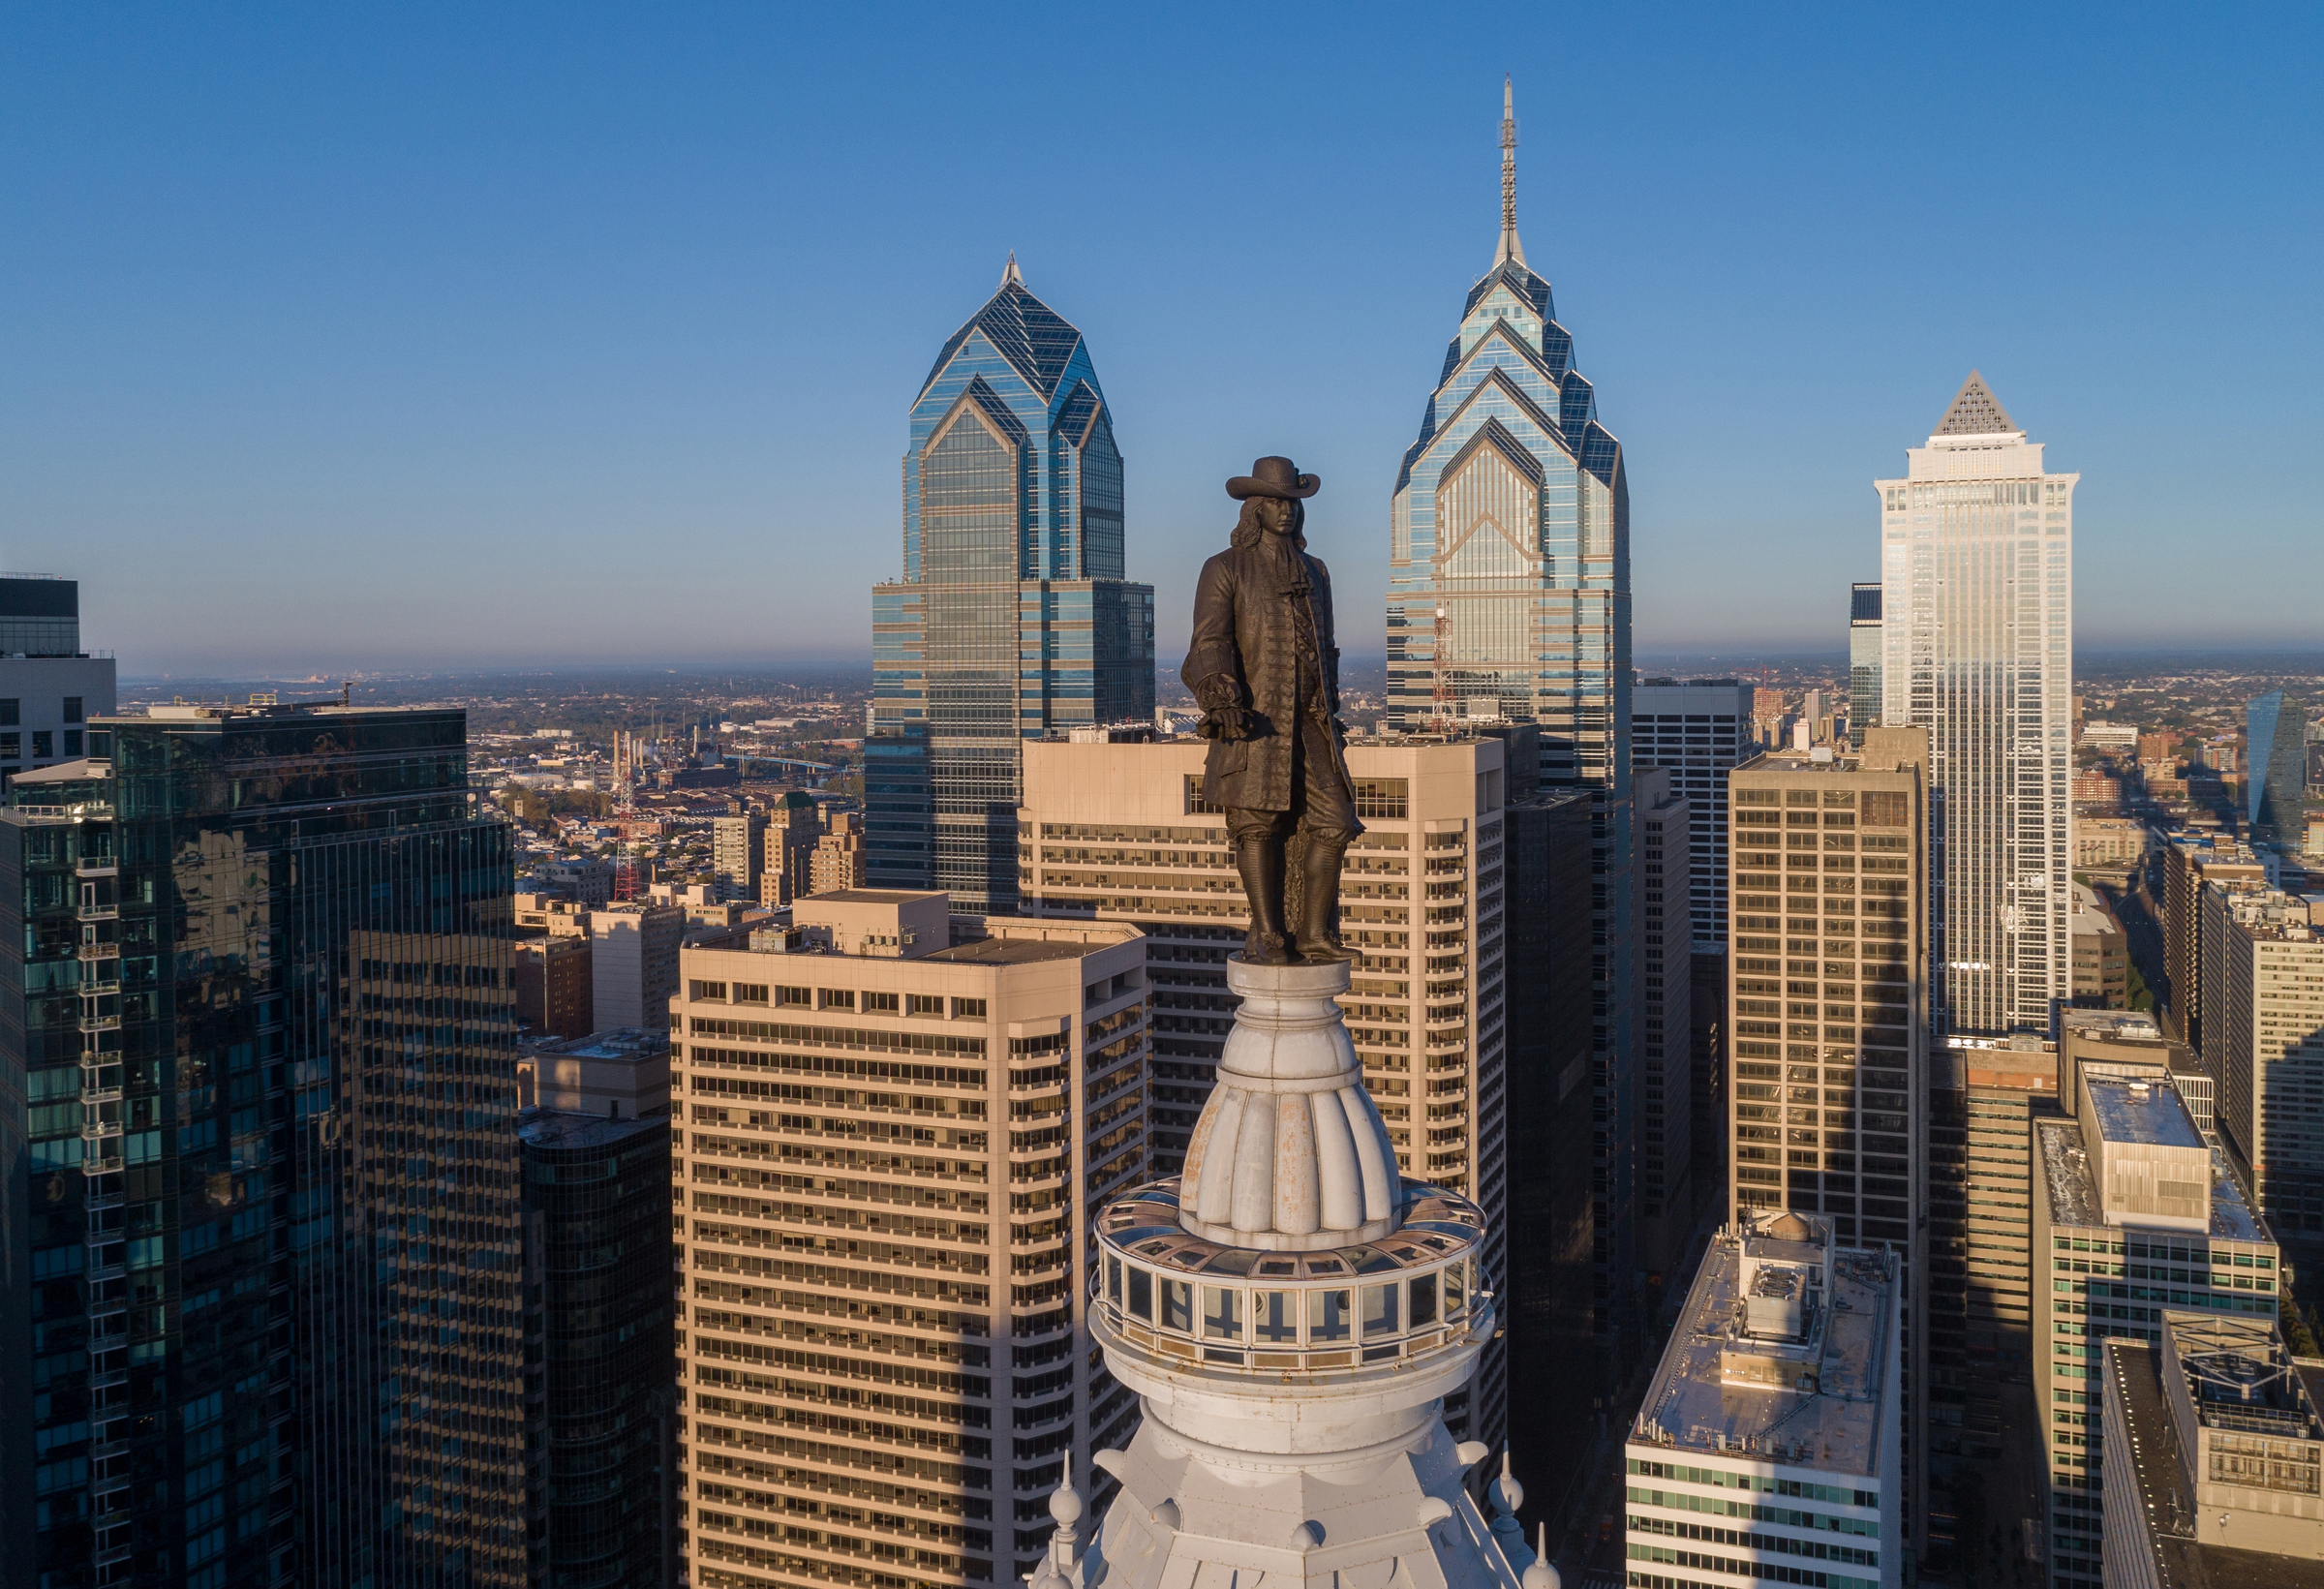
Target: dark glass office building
(259, 1299)
(1013, 618)
(603, 1384)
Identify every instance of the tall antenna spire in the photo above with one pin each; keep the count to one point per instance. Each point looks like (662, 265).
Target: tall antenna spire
(1511, 248)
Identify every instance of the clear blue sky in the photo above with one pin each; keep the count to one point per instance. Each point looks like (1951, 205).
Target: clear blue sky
(345, 337)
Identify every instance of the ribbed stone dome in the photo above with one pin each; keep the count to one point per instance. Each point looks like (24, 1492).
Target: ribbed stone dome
(1290, 1153)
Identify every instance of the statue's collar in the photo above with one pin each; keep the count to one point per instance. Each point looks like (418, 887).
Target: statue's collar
(1287, 562)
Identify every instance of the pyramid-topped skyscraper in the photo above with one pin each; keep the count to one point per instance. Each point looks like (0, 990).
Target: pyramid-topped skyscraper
(1013, 617)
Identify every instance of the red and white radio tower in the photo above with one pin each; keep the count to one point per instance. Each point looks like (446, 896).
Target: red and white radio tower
(1440, 710)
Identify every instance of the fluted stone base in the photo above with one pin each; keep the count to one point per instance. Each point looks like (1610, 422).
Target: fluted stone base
(1290, 1154)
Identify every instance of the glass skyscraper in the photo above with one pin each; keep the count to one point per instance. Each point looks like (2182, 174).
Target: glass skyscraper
(1863, 659)
(1013, 618)
(1976, 641)
(259, 1311)
(1511, 520)
(2275, 775)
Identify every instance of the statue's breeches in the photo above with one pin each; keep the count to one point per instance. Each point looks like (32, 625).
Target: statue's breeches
(1321, 801)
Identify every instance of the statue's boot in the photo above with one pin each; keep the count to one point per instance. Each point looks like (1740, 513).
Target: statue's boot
(1259, 860)
(1318, 937)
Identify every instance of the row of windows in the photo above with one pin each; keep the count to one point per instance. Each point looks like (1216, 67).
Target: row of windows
(11, 713)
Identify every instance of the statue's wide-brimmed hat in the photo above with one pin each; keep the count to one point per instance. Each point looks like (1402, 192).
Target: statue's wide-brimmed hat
(1273, 477)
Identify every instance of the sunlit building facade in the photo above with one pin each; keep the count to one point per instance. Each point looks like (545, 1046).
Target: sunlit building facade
(1863, 658)
(1511, 519)
(1013, 617)
(1976, 643)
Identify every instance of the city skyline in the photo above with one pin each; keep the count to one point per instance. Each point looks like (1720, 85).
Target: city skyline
(318, 334)
(631, 1083)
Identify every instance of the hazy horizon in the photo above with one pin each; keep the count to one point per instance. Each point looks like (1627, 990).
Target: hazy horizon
(464, 338)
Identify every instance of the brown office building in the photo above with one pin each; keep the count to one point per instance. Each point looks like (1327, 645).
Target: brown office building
(1827, 992)
(555, 986)
(891, 1152)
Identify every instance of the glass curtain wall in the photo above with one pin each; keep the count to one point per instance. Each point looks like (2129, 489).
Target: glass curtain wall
(1013, 618)
(280, 1226)
(1511, 518)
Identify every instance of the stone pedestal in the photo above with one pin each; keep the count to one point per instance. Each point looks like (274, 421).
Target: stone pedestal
(1291, 1152)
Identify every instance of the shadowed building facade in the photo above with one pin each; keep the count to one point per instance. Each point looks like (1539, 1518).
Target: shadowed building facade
(256, 984)
(2276, 784)
(1013, 617)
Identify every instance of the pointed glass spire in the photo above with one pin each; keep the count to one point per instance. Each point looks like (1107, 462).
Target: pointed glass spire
(1010, 273)
(1511, 248)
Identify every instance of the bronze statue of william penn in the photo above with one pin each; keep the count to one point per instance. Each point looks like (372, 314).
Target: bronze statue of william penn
(1265, 668)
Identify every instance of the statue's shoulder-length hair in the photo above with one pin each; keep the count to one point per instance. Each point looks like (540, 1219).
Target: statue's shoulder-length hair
(1247, 530)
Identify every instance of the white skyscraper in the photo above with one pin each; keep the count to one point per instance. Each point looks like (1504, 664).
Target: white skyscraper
(1976, 572)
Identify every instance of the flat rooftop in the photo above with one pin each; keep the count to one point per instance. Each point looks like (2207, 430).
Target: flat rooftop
(562, 1129)
(1835, 1427)
(2165, 1500)
(2074, 1192)
(613, 1042)
(870, 896)
(2132, 1112)
(1014, 951)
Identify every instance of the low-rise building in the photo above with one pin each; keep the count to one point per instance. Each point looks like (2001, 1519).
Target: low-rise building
(892, 1153)
(556, 984)
(2100, 954)
(2108, 842)
(2133, 1213)
(586, 881)
(2097, 787)
(2214, 1458)
(1769, 1446)
(838, 861)
(633, 971)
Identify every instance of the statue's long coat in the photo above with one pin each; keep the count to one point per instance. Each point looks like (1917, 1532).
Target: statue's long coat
(1243, 629)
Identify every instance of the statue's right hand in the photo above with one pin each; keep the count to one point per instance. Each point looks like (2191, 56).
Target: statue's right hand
(1230, 723)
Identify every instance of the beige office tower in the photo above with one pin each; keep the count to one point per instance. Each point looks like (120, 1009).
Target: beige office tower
(1665, 1185)
(1976, 641)
(739, 853)
(838, 861)
(1121, 832)
(888, 1151)
(1827, 979)
(2263, 1043)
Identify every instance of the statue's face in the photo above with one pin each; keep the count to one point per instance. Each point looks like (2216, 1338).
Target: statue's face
(1274, 515)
